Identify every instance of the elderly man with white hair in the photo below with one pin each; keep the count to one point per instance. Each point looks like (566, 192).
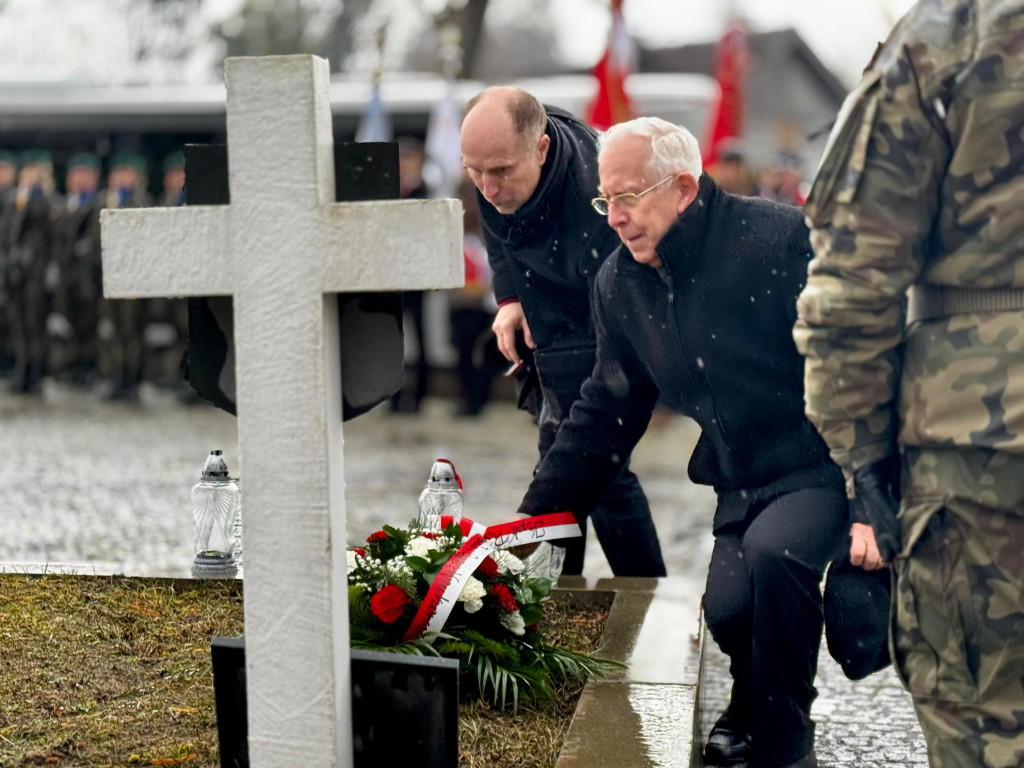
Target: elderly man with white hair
(695, 309)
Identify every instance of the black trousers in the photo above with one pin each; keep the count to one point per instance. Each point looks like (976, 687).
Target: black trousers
(404, 400)
(129, 319)
(622, 521)
(763, 607)
(27, 309)
(479, 360)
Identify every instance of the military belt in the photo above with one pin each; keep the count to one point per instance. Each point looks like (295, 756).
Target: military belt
(928, 302)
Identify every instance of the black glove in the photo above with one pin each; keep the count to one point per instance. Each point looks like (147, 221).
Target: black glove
(876, 501)
(527, 380)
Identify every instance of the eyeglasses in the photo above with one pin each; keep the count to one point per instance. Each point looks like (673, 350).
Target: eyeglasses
(626, 199)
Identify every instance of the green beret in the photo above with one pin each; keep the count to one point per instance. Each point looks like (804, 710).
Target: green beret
(8, 158)
(174, 160)
(130, 159)
(36, 156)
(84, 159)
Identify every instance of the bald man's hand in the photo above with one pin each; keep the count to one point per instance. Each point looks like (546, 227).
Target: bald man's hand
(510, 318)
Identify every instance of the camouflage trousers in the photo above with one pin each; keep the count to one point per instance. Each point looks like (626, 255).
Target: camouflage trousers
(957, 637)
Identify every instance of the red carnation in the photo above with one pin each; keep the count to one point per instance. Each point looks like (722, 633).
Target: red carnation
(504, 598)
(488, 568)
(388, 604)
(359, 551)
(378, 536)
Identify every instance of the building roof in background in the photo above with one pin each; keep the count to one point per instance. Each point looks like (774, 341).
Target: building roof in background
(788, 82)
(766, 49)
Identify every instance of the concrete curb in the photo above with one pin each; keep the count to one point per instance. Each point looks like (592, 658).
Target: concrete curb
(647, 716)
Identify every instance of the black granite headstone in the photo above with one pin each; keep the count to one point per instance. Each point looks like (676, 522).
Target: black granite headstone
(372, 344)
(228, 655)
(405, 708)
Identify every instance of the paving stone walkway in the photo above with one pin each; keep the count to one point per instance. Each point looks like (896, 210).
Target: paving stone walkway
(88, 482)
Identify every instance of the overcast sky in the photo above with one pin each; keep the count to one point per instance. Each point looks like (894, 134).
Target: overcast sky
(45, 39)
(843, 33)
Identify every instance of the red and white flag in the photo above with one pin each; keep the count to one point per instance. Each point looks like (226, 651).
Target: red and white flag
(731, 68)
(611, 105)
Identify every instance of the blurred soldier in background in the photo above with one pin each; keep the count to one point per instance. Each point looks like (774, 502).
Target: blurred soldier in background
(783, 180)
(29, 244)
(919, 395)
(166, 332)
(77, 253)
(731, 172)
(8, 177)
(126, 181)
(174, 180)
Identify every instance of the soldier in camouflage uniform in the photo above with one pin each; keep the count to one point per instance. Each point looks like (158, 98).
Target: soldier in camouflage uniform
(922, 188)
(126, 188)
(77, 251)
(28, 233)
(8, 177)
(167, 327)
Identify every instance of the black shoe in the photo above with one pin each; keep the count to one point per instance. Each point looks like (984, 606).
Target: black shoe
(728, 745)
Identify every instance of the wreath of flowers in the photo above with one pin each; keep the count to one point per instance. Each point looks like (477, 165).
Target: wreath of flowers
(494, 628)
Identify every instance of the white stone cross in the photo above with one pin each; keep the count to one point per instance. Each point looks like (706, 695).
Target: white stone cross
(278, 248)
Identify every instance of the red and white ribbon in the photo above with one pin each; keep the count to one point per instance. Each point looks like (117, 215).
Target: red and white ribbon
(481, 542)
(557, 525)
(469, 528)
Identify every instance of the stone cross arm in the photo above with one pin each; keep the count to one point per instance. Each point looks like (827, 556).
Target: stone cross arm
(375, 246)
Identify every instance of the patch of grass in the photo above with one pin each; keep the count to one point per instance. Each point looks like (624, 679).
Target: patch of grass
(98, 672)
(110, 671)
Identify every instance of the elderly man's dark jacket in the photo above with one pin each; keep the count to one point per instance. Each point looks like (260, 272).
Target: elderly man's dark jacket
(710, 334)
(547, 254)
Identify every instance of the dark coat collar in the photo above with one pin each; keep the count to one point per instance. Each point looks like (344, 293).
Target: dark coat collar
(683, 245)
(551, 185)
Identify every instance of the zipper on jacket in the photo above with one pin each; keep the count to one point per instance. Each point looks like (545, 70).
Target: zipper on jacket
(666, 278)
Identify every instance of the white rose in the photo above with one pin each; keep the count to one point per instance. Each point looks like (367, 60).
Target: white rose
(421, 546)
(350, 560)
(507, 562)
(473, 589)
(513, 622)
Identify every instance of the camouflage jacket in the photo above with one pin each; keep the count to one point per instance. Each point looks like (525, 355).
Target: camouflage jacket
(922, 184)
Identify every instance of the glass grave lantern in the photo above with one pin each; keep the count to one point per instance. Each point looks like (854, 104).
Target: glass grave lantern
(216, 505)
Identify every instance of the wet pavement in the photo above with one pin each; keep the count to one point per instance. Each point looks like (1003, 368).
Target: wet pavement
(98, 484)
